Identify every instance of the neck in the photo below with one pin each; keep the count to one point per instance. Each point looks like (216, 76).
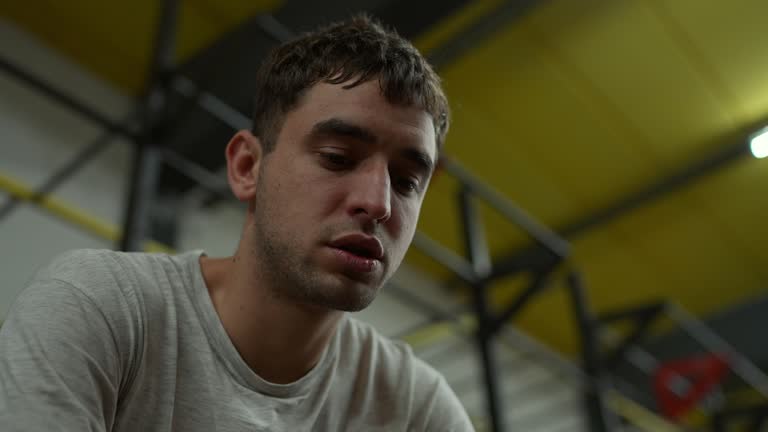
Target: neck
(280, 340)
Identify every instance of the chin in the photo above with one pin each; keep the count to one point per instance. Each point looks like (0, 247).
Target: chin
(345, 295)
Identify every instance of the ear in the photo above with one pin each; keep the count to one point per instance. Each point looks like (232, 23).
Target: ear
(244, 156)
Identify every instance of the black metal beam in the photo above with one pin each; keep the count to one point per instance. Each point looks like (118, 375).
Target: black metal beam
(537, 285)
(207, 180)
(461, 268)
(601, 419)
(622, 314)
(541, 234)
(67, 101)
(475, 243)
(147, 156)
(676, 181)
(643, 317)
(193, 96)
(479, 31)
(479, 257)
(209, 103)
(656, 190)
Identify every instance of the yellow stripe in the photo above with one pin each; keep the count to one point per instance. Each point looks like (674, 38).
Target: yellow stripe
(73, 215)
(434, 333)
(639, 415)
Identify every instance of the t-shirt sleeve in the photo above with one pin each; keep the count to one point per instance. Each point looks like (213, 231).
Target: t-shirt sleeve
(60, 362)
(437, 408)
(445, 412)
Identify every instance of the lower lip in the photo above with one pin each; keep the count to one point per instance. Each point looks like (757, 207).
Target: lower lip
(354, 262)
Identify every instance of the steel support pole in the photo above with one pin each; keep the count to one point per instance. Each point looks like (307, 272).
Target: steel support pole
(479, 257)
(539, 233)
(147, 156)
(642, 317)
(537, 285)
(600, 418)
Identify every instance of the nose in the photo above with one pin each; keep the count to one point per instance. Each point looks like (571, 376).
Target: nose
(370, 193)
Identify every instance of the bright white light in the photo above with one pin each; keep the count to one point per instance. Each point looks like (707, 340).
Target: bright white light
(759, 144)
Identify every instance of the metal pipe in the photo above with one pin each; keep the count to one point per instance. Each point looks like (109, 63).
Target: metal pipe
(540, 233)
(710, 340)
(474, 236)
(536, 286)
(446, 257)
(144, 175)
(480, 260)
(67, 101)
(600, 418)
(147, 157)
(210, 103)
(208, 180)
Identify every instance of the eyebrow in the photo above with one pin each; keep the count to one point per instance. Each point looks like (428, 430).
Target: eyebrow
(338, 127)
(342, 128)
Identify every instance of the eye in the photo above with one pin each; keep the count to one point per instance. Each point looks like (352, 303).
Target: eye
(406, 185)
(336, 161)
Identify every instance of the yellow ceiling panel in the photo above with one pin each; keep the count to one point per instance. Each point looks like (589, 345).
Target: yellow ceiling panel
(481, 146)
(497, 129)
(629, 56)
(735, 199)
(699, 266)
(613, 272)
(728, 41)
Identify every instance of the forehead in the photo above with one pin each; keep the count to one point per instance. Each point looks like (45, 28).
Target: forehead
(365, 106)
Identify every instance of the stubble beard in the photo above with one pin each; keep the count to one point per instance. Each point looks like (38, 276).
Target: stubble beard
(290, 274)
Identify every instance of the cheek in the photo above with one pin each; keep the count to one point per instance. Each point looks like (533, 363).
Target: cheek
(310, 191)
(403, 221)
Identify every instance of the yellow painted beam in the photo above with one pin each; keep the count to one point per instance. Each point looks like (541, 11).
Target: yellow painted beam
(71, 214)
(640, 416)
(437, 332)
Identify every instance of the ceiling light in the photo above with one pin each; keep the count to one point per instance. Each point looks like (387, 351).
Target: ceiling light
(759, 144)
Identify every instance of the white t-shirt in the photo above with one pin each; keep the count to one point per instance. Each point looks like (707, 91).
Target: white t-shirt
(109, 341)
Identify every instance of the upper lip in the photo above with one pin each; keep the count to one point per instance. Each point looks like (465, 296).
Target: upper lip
(370, 246)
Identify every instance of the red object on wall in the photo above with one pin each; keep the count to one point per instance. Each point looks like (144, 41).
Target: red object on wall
(702, 372)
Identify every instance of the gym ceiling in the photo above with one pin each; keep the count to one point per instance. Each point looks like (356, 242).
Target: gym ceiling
(622, 124)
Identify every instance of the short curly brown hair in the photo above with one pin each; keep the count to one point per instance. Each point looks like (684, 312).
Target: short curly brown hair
(359, 49)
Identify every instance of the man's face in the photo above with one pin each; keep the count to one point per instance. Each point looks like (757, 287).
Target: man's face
(338, 198)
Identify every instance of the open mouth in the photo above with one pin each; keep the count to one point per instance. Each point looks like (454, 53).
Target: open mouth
(360, 246)
(357, 250)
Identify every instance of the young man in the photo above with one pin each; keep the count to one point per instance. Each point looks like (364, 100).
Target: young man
(347, 128)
